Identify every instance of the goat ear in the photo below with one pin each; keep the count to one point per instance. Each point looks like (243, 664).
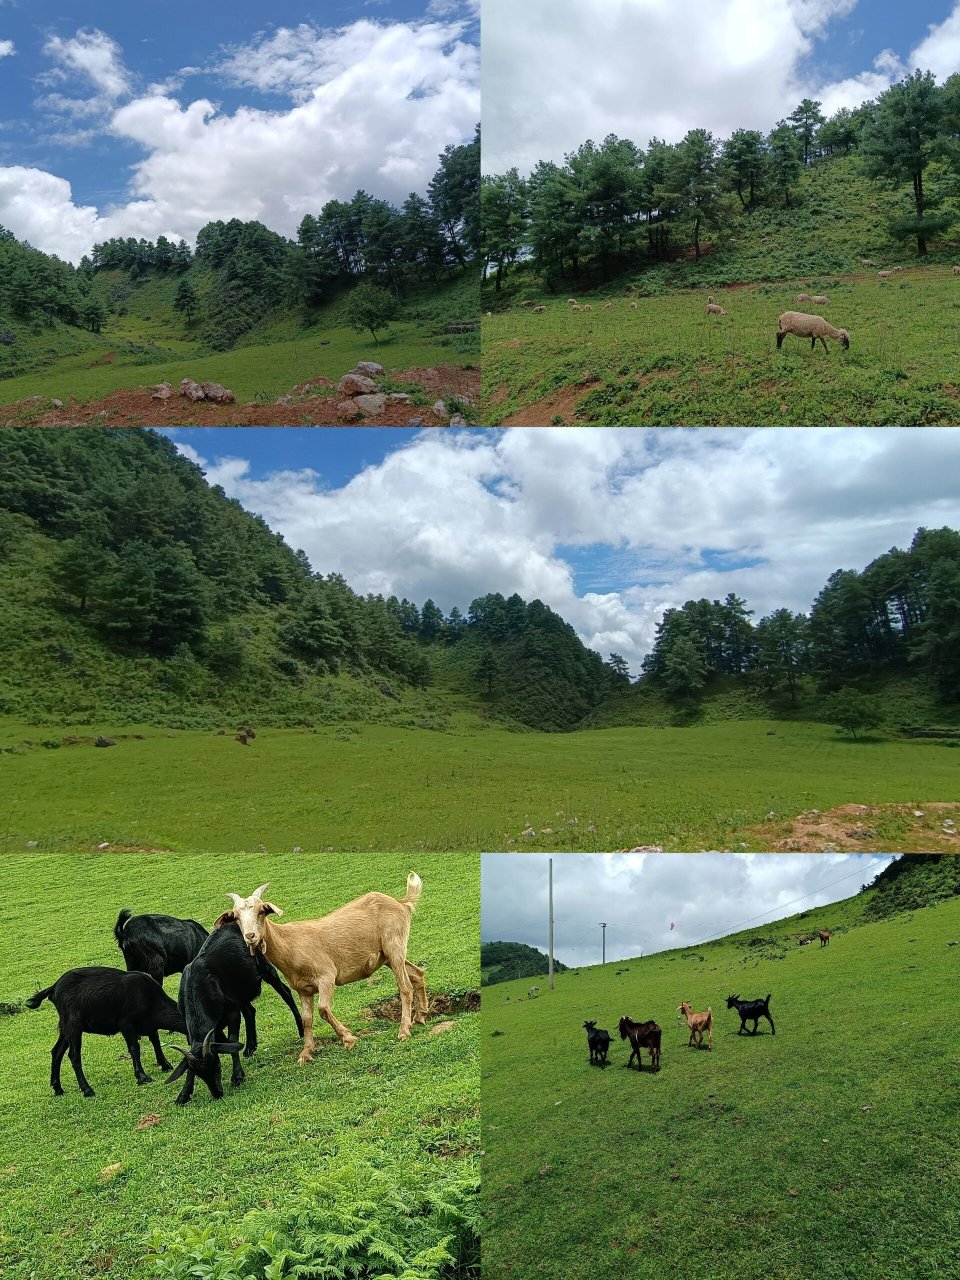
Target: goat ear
(270, 910)
(225, 918)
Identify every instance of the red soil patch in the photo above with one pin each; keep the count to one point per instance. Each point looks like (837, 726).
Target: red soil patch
(858, 828)
(313, 403)
(563, 404)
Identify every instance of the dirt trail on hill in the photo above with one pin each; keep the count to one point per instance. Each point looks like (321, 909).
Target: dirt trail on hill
(312, 403)
(863, 828)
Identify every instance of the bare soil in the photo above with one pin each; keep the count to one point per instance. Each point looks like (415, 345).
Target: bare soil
(863, 828)
(312, 403)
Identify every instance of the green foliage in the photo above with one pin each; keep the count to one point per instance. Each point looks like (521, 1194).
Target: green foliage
(356, 1220)
(854, 711)
(505, 961)
(912, 882)
(370, 308)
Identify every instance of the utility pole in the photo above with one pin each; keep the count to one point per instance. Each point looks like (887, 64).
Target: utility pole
(550, 927)
(603, 935)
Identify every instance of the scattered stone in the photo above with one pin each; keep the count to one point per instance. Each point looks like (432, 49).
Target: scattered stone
(297, 849)
(399, 397)
(219, 394)
(348, 409)
(32, 844)
(105, 742)
(355, 384)
(192, 390)
(415, 422)
(368, 368)
(104, 844)
(371, 405)
(163, 392)
(284, 400)
(56, 404)
(529, 831)
(458, 420)
(440, 409)
(388, 691)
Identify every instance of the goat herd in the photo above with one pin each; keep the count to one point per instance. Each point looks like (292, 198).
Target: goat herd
(646, 1035)
(222, 974)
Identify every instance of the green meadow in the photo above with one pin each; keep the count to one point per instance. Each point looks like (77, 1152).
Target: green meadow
(826, 1150)
(358, 786)
(667, 363)
(363, 1161)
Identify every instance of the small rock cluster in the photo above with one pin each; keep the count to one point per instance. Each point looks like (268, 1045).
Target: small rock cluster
(196, 391)
(363, 395)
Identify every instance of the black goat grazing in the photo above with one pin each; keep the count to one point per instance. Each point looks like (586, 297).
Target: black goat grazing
(599, 1042)
(158, 945)
(107, 1002)
(753, 1009)
(217, 989)
(642, 1035)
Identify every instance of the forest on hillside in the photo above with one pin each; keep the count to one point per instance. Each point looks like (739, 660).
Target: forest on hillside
(901, 612)
(509, 960)
(241, 271)
(620, 205)
(127, 540)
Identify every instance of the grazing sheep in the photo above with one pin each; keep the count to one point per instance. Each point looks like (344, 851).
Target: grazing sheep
(801, 297)
(698, 1023)
(819, 300)
(158, 945)
(713, 308)
(633, 306)
(867, 262)
(598, 1041)
(538, 311)
(317, 956)
(898, 268)
(812, 327)
(526, 304)
(607, 306)
(752, 1009)
(884, 275)
(956, 271)
(586, 307)
(107, 1002)
(576, 307)
(572, 301)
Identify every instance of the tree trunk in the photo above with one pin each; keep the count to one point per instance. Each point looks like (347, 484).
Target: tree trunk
(918, 200)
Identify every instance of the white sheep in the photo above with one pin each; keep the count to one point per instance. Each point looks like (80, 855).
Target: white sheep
(812, 327)
(956, 271)
(713, 309)
(526, 304)
(538, 311)
(801, 297)
(586, 307)
(820, 300)
(607, 306)
(576, 307)
(633, 305)
(884, 275)
(572, 301)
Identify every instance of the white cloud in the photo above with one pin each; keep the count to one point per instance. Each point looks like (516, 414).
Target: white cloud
(453, 516)
(704, 895)
(6, 48)
(374, 106)
(939, 51)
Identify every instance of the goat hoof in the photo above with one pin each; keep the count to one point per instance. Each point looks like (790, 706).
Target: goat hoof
(403, 1035)
(349, 1042)
(304, 1058)
(164, 1065)
(144, 1079)
(88, 1093)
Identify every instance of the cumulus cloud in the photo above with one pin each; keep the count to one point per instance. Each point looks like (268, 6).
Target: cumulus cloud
(374, 104)
(939, 51)
(639, 896)
(6, 48)
(611, 527)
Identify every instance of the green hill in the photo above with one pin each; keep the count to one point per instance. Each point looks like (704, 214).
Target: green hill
(506, 961)
(826, 1149)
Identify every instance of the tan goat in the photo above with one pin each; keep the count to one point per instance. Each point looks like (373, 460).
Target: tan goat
(316, 956)
(698, 1024)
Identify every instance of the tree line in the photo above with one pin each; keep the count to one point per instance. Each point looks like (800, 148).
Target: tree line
(901, 611)
(616, 201)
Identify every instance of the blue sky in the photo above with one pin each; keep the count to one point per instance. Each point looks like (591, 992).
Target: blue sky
(608, 527)
(95, 128)
(672, 65)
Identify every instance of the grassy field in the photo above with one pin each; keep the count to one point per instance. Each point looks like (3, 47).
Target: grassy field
(251, 372)
(359, 787)
(827, 1150)
(84, 1182)
(667, 363)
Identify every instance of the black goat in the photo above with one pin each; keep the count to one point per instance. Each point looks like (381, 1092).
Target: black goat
(107, 1002)
(158, 945)
(217, 989)
(642, 1035)
(599, 1042)
(753, 1009)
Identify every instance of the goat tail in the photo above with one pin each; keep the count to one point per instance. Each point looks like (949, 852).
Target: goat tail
(36, 1001)
(769, 994)
(414, 890)
(121, 924)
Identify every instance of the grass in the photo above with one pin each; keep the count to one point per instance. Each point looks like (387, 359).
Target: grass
(361, 786)
(826, 1150)
(82, 1184)
(669, 364)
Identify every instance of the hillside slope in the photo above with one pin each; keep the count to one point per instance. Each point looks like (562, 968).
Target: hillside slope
(823, 1150)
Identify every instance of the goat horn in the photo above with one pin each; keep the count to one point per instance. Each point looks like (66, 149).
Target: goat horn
(185, 1052)
(207, 1041)
(259, 892)
(237, 900)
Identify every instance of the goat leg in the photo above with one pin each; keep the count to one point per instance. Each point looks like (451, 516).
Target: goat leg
(76, 1042)
(133, 1048)
(162, 1062)
(56, 1057)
